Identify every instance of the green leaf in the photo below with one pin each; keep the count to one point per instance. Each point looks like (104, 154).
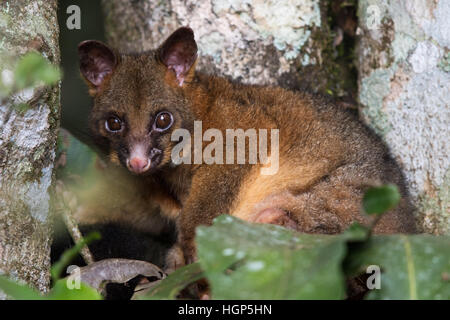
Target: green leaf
(61, 291)
(80, 159)
(356, 232)
(70, 254)
(412, 267)
(249, 261)
(32, 69)
(175, 282)
(378, 200)
(18, 291)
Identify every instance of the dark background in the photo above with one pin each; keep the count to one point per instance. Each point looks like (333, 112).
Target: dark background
(75, 101)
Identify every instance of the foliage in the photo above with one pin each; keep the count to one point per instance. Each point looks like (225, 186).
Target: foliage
(76, 161)
(247, 261)
(241, 260)
(381, 199)
(270, 262)
(70, 254)
(60, 290)
(18, 291)
(31, 71)
(182, 277)
(413, 267)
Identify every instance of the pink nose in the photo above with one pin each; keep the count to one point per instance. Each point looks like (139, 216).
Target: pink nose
(138, 165)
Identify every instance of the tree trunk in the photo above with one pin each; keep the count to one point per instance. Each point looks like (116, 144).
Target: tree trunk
(264, 42)
(404, 81)
(27, 144)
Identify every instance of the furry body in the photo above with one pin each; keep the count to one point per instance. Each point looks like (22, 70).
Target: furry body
(327, 158)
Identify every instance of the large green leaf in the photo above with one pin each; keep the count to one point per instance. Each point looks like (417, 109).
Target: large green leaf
(61, 291)
(34, 68)
(412, 267)
(248, 261)
(79, 161)
(378, 200)
(175, 282)
(18, 291)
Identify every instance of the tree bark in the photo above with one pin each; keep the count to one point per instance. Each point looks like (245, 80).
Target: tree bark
(263, 42)
(27, 144)
(404, 81)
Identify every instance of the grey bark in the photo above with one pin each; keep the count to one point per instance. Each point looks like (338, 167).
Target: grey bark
(256, 41)
(27, 144)
(404, 81)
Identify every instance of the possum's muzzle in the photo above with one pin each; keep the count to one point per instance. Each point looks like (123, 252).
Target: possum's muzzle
(140, 161)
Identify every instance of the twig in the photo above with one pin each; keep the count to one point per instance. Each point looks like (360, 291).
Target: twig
(72, 225)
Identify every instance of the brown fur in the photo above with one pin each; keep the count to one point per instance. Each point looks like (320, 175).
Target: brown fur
(327, 157)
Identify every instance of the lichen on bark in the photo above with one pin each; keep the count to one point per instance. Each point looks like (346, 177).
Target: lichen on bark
(403, 89)
(27, 143)
(255, 41)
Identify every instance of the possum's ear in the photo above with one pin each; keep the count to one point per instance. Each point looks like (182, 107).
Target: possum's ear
(97, 62)
(179, 54)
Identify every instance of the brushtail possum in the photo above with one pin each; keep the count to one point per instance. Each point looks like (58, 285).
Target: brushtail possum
(325, 157)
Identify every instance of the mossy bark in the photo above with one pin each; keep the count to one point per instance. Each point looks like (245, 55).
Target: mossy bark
(27, 144)
(262, 42)
(404, 83)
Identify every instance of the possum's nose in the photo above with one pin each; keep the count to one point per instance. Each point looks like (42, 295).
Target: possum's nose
(138, 161)
(138, 165)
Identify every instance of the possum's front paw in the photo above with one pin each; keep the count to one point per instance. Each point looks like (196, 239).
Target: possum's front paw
(190, 253)
(174, 259)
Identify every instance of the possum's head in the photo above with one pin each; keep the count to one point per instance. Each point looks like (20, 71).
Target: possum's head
(139, 99)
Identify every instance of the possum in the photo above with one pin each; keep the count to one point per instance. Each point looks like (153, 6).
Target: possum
(325, 158)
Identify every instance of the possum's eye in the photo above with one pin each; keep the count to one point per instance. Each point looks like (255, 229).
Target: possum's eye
(113, 124)
(163, 121)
